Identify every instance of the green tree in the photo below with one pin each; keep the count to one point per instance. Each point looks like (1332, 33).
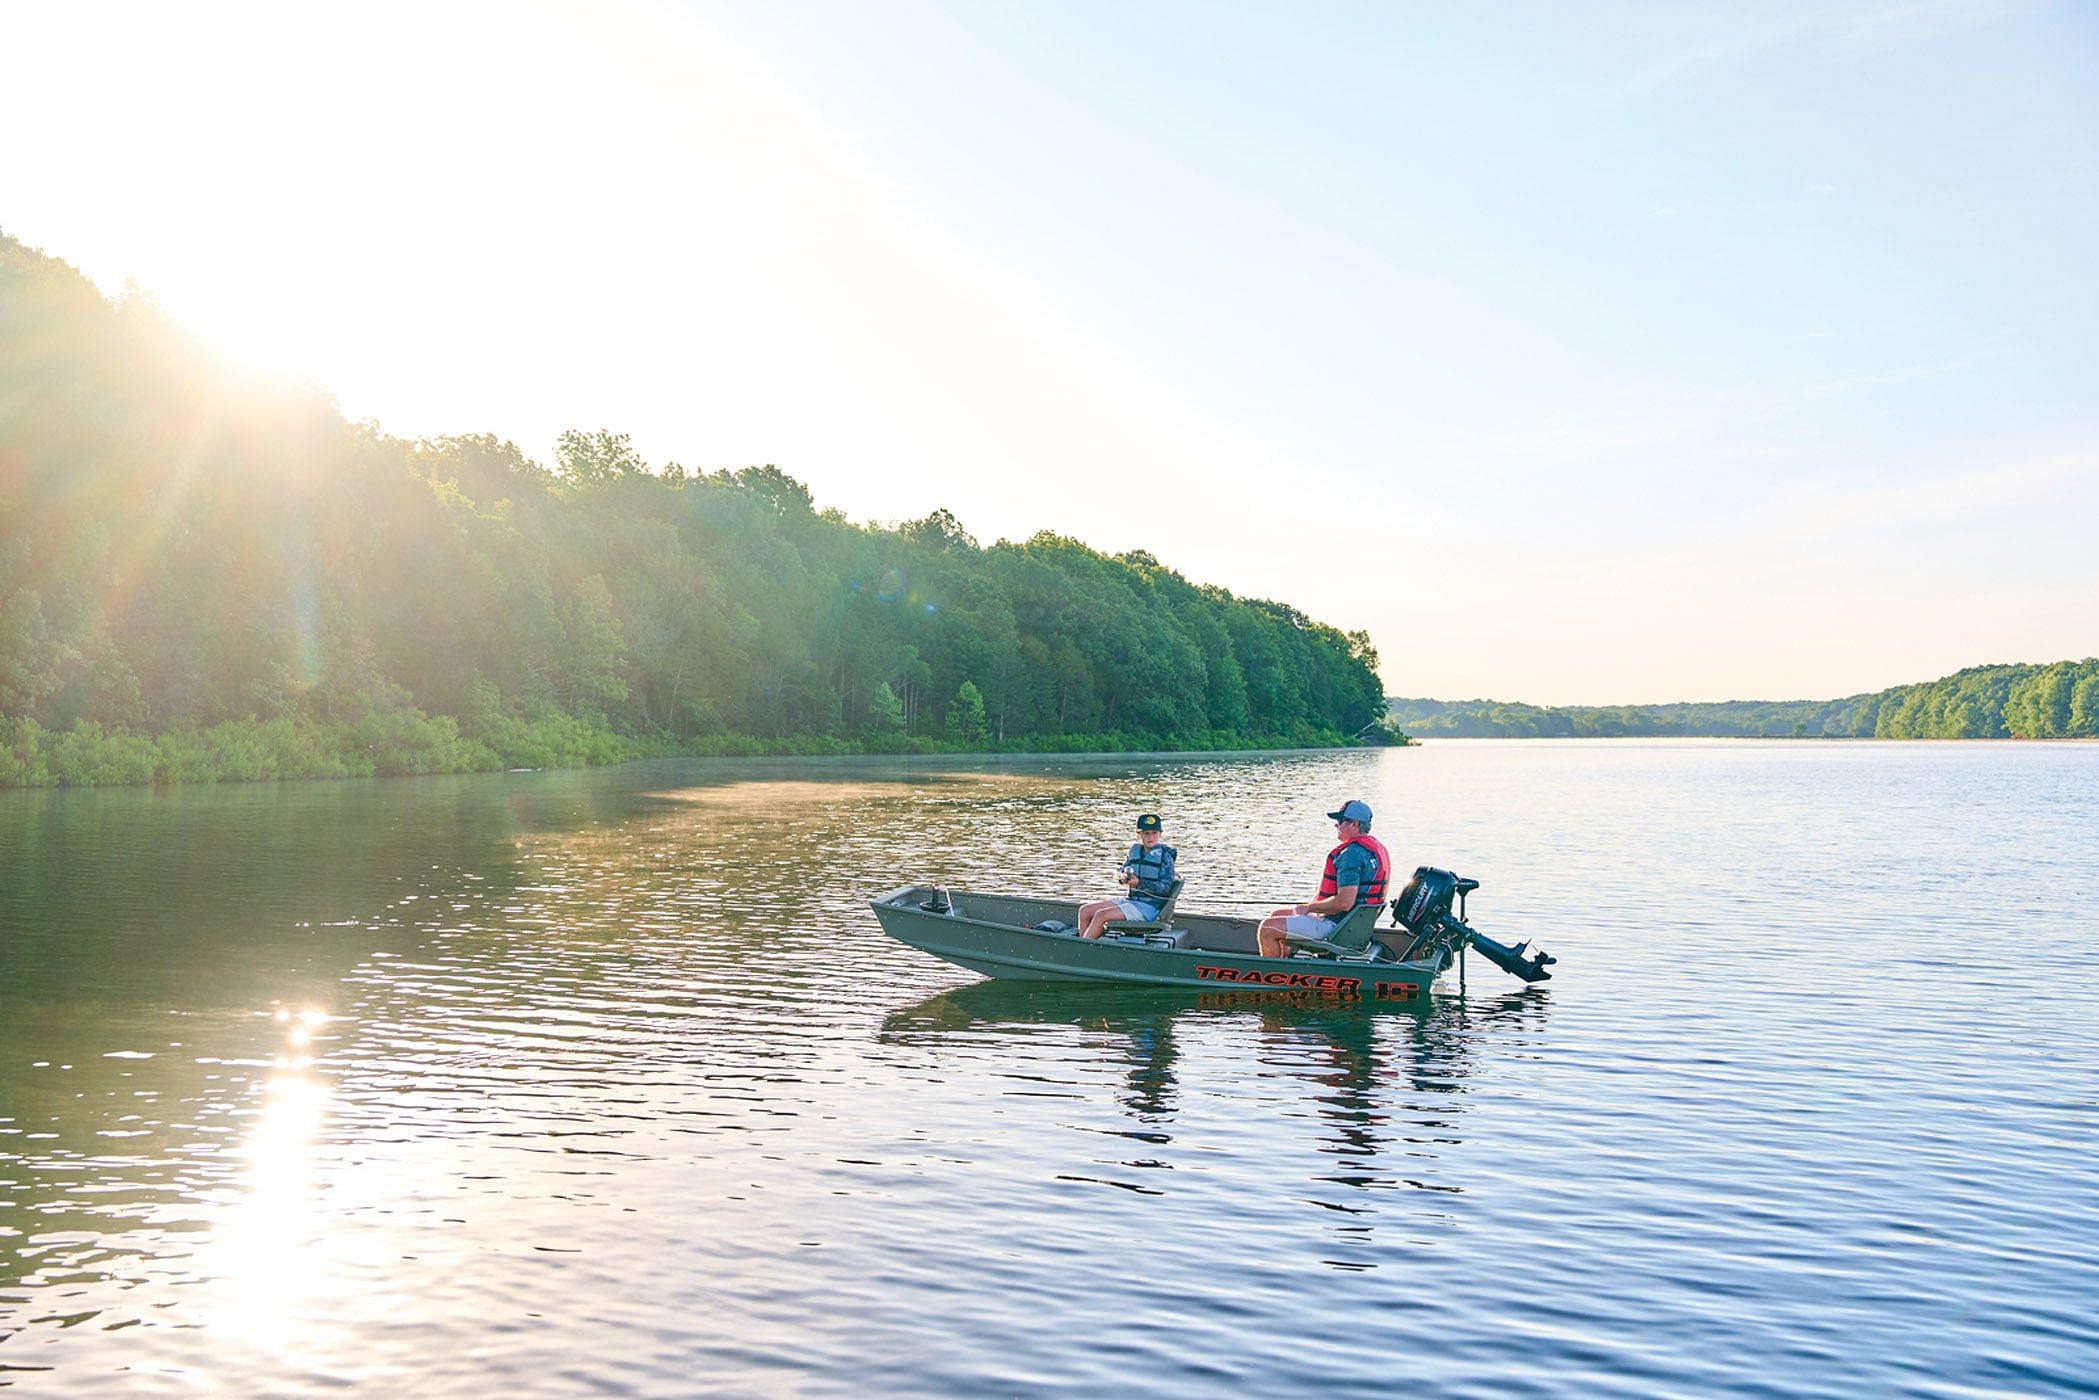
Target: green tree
(940, 530)
(885, 712)
(966, 723)
(2084, 704)
(27, 671)
(2038, 706)
(597, 459)
(594, 651)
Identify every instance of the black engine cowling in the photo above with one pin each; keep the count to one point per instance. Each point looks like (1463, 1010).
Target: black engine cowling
(1425, 902)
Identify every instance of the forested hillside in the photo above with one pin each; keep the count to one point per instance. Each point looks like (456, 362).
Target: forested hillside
(2059, 701)
(203, 576)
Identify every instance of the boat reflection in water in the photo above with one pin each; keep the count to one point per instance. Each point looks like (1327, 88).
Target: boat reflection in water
(1366, 1099)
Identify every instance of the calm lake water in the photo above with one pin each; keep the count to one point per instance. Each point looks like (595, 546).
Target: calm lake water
(606, 1081)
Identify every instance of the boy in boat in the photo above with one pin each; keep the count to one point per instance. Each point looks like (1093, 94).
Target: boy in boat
(1148, 872)
(1356, 871)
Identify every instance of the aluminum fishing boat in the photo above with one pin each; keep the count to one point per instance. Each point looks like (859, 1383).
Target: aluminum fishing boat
(1008, 936)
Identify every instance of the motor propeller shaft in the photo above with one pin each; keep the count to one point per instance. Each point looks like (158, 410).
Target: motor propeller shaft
(1513, 961)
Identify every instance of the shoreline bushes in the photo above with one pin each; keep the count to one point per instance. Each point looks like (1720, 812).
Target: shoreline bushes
(290, 748)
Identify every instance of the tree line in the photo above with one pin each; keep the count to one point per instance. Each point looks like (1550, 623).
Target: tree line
(205, 576)
(2050, 701)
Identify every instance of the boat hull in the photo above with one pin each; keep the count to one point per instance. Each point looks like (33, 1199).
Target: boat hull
(992, 935)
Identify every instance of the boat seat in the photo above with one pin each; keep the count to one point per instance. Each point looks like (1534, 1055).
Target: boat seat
(1159, 925)
(1350, 937)
(1466, 886)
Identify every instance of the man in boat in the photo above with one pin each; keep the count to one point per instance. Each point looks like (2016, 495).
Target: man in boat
(1356, 871)
(1147, 872)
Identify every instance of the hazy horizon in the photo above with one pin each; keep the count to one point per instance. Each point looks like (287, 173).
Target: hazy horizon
(1697, 354)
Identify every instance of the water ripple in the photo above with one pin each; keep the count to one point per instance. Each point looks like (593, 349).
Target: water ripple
(605, 1081)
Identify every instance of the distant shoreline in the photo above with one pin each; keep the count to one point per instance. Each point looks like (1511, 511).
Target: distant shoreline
(2057, 700)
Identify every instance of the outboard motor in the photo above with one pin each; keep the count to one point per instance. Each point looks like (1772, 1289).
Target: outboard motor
(1426, 900)
(1423, 908)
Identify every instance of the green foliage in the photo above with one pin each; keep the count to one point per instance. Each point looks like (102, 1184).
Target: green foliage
(202, 576)
(2059, 701)
(1387, 731)
(966, 724)
(597, 459)
(885, 712)
(940, 530)
(248, 749)
(28, 675)
(2084, 708)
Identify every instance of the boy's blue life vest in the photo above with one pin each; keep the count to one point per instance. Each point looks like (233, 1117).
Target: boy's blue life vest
(1374, 892)
(1154, 871)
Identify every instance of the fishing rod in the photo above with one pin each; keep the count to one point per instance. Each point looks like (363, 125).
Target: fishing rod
(1206, 902)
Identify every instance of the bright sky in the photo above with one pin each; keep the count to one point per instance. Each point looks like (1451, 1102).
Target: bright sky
(1582, 353)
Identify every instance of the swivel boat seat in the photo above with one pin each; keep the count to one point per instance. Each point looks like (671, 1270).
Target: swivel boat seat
(1157, 933)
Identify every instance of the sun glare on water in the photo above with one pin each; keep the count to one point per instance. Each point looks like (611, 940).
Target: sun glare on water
(263, 1251)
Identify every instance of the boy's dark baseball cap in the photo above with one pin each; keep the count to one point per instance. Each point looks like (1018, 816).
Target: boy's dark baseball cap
(1149, 821)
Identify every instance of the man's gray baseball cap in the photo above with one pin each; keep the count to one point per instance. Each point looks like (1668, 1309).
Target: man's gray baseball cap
(1351, 811)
